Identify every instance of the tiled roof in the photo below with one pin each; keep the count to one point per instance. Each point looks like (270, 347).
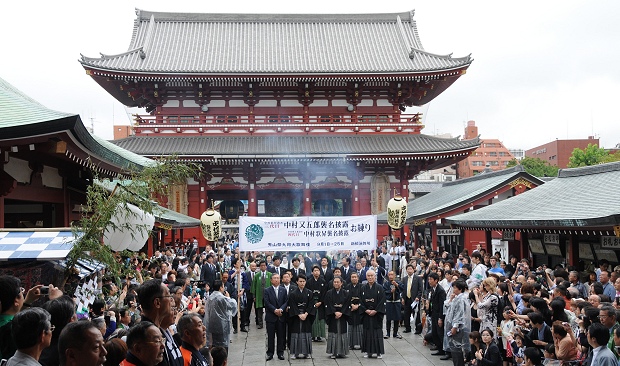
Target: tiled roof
(275, 43)
(424, 187)
(293, 146)
(22, 117)
(460, 193)
(579, 197)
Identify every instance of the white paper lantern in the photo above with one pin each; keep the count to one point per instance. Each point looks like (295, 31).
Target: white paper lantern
(210, 223)
(397, 212)
(130, 230)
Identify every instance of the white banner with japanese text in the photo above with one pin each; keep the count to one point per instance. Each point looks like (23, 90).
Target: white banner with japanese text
(308, 233)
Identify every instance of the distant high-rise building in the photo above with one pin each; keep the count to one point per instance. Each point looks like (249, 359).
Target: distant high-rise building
(558, 152)
(517, 153)
(492, 154)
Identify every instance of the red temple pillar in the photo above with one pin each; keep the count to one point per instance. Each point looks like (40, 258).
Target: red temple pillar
(307, 199)
(66, 197)
(355, 204)
(252, 201)
(434, 237)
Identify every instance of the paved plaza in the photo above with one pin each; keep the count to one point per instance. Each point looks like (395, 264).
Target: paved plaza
(248, 349)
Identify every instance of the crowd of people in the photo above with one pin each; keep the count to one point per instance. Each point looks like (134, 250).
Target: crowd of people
(179, 308)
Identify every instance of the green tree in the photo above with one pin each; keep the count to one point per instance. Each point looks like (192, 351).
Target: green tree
(591, 155)
(103, 198)
(610, 158)
(536, 167)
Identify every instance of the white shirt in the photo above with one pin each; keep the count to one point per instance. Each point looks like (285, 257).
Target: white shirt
(595, 353)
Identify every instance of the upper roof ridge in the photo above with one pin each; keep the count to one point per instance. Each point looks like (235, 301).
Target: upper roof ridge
(145, 15)
(508, 171)
(589, 170)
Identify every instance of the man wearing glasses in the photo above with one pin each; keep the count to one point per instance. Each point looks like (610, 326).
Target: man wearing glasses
(32, 332)
(158, 308)
(145, 344)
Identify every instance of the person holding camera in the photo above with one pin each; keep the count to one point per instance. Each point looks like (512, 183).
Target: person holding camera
(219, 312)
(13, 298)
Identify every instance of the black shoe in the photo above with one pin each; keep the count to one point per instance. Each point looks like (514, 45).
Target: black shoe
(441, 353)
(433, 348)
(398, 336)
(244, 330)
(269, 357)
(386, 336)
(407, 331)
(260, 326)
(418, 333)
(446, 357)
(280, 357)
(234, 331)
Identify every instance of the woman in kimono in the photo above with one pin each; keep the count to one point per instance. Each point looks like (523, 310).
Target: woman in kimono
(337, 313)
(316, 284)
(458, 322)
(355, 318)
(372, 305)
(301, 311)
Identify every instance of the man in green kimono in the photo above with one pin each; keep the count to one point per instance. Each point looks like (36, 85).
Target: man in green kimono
(262, 280)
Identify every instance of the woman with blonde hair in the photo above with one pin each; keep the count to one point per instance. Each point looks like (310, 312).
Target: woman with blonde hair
(488, 301)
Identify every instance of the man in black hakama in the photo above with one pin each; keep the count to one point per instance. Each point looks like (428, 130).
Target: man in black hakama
(372, 304)
(336, 315)
(301, 312)
(316, 283)
(355, 319)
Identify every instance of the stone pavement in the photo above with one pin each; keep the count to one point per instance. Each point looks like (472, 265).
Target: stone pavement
(248, 349)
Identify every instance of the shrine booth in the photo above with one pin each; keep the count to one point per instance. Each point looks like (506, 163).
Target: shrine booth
(426, 216)
(573, 219)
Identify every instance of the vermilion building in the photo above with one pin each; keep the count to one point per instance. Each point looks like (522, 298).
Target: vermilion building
(290, 114)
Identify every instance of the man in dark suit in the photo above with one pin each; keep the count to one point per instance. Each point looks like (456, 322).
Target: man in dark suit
(296, 270)
(346, 269)
(275, 301)
(276, 266)
(412, 293)
(326, 272)
(436, 299)
(207, 272)
(538, 326)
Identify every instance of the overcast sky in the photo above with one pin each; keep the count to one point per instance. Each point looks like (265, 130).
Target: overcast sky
(542, 70)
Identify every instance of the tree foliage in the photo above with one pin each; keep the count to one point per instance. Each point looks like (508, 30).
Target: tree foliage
(536, 167)
(140, 188)
(591, 155)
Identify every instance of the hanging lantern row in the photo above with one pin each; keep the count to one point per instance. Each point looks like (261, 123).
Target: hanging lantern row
(397, 212)
(210, 223)
(122, 234)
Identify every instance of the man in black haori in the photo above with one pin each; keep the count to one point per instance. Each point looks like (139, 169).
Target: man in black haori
(355, 318)
(393, 307)
(336, 314)
(372, 305)
(301, 312)
(316, 284)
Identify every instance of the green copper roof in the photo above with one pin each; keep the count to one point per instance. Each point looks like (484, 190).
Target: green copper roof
(18, 109)
(22, 117)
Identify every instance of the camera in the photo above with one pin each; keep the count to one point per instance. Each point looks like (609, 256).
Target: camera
(44, 290)
(199, 284)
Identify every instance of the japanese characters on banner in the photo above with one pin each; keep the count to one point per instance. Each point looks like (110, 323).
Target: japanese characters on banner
(310, 233)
